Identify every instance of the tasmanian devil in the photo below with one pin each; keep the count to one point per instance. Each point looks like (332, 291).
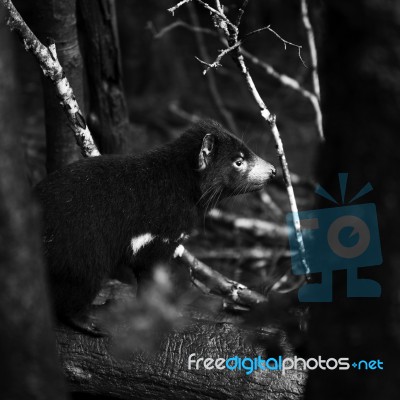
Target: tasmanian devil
(104, 212)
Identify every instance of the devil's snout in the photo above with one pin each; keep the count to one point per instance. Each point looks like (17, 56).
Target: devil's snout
(261, 172)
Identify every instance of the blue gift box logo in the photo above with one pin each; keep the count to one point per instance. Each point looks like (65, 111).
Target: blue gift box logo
(338, 238)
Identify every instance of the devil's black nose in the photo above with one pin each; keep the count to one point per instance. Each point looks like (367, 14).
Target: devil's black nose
(273, 171)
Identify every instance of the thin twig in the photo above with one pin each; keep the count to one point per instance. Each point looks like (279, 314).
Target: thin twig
(241, 12)
(177, 24)
(212, 83)
(224, 52)
(269, 69)
(221, 55)
(255, 253)
(318, 116)
(238, 42)
(220, 14)
(314, 65)
(256, 31)
(313, 48)
(282, 78)
(291, 83)
(286, 43)
(218, 284)
(181, 3)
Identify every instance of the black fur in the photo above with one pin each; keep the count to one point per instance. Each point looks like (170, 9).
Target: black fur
(94, 207)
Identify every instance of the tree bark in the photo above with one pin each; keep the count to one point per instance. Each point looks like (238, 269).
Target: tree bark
(108, 114)
(361, 85)
(56, 20)
(29, 366)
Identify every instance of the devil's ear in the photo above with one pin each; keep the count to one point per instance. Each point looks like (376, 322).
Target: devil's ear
(206, 151)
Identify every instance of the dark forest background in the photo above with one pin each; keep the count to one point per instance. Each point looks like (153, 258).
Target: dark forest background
(165, 91)
(162, 74)
(158, 90)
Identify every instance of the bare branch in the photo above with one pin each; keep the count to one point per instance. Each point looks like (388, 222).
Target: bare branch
(221, 55)
(177, 110)
(297, 181)
(269, 69)
(212, 83)
(177, 24)
(241, 12)
(257, 227)
(255, 253)
(313, 49)
(220, 14)
(256, 31)
(282, 78)
(314, 66)
(219, 7)
(224, 52)
(266, 198)
(271, 120)
(286, 43)
(218, 284)
(52, 69)
(291, 83)
(318, 116)
(181, 3)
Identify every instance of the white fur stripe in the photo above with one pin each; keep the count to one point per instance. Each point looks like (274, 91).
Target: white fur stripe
(179, 251)
(140, 241)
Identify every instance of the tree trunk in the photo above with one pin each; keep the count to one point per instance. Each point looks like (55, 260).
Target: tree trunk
(29, 363)
(56, 20)
(361, 94)
(108, 114)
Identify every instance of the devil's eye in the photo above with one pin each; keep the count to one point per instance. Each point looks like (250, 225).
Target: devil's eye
(238, 162)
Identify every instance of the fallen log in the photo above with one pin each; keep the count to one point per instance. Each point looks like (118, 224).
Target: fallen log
(91, 368)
